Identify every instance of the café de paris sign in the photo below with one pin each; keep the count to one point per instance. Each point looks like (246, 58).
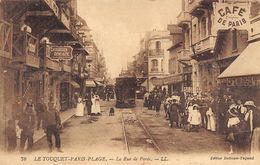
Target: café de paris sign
(231, 16)
(61, 52)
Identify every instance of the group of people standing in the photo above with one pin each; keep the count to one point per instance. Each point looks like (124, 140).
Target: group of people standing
(224, 115)
(24, 122)
(90, 104)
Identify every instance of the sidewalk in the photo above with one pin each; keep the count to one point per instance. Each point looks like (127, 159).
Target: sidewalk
(64, 115)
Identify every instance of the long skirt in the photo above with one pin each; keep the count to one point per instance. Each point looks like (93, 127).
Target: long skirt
(211, 125)
(96, 110)
(255, 144)
(80, 109)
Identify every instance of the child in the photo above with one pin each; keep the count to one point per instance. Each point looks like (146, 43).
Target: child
(111, 112)
(195, 118)
(10, 131)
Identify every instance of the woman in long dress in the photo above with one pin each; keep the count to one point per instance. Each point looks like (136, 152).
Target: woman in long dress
(211, 125)
(93, 106)
(97, 102)
(80, 108)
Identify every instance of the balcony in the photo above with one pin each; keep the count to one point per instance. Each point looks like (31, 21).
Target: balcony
(198, 7)
(6, 39)
(25, 49)
(204, 46)
(183, 18)
(156, 52)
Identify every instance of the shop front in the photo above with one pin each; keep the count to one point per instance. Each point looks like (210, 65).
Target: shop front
(242, 77)
(174, 82)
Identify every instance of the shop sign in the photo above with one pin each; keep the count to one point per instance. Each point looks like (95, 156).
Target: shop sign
(239, 81)
(61, 52)
(229, 16)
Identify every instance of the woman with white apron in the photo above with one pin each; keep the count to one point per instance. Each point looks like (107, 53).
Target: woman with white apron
(93, 106)
(97, 100)
(80, 108)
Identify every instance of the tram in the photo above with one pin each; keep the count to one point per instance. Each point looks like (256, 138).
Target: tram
(125, 91)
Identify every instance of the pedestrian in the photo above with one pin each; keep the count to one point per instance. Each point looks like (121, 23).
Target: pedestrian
(167, 106)
(52, 126)
(27, 124)
(233, 129)
(80, 107)
(40, 108)
(249, 126)
(96, 105)
(173, 112)
(16, 115)
(211, 121)
(146, 95)
(157, 104)
(195, 118)
(10, 132)
(150, 100)
(88, 103)
(221, 114)
(203, 109)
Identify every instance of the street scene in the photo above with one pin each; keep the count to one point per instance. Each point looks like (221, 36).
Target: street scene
(148, 77)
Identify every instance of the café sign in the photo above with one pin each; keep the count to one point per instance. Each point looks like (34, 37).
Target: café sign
(235, 15)
(61, 52)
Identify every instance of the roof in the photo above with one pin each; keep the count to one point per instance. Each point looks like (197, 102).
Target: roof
(246, 64)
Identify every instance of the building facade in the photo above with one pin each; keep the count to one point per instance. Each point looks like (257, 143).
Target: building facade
(29, 67)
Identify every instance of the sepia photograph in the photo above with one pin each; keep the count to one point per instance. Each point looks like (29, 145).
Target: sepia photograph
(134, 82)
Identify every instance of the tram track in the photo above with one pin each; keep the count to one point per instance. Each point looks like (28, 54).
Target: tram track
(136, 135)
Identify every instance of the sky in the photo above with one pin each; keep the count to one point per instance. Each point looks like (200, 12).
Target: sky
(118, 25)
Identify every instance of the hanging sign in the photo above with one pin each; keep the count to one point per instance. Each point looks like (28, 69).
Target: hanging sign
(235, 15)
(61, 52)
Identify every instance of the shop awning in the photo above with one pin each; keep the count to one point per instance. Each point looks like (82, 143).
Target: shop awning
(73, 83)
(99, 83)
(90, 83)
(246, 64)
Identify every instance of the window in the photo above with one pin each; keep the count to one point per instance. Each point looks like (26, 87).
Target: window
(154, 67)
(179, 68)
(203, 28)
(194, 33)
(162, 65)
(234, 39)
(187, 40)
(158, 45)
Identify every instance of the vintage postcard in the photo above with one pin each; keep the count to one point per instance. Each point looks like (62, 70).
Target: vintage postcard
(138, 82)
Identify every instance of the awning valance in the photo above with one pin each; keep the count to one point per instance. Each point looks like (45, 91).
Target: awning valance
(90, 83)
(99, 83)
(246, 64)
(73, 83)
